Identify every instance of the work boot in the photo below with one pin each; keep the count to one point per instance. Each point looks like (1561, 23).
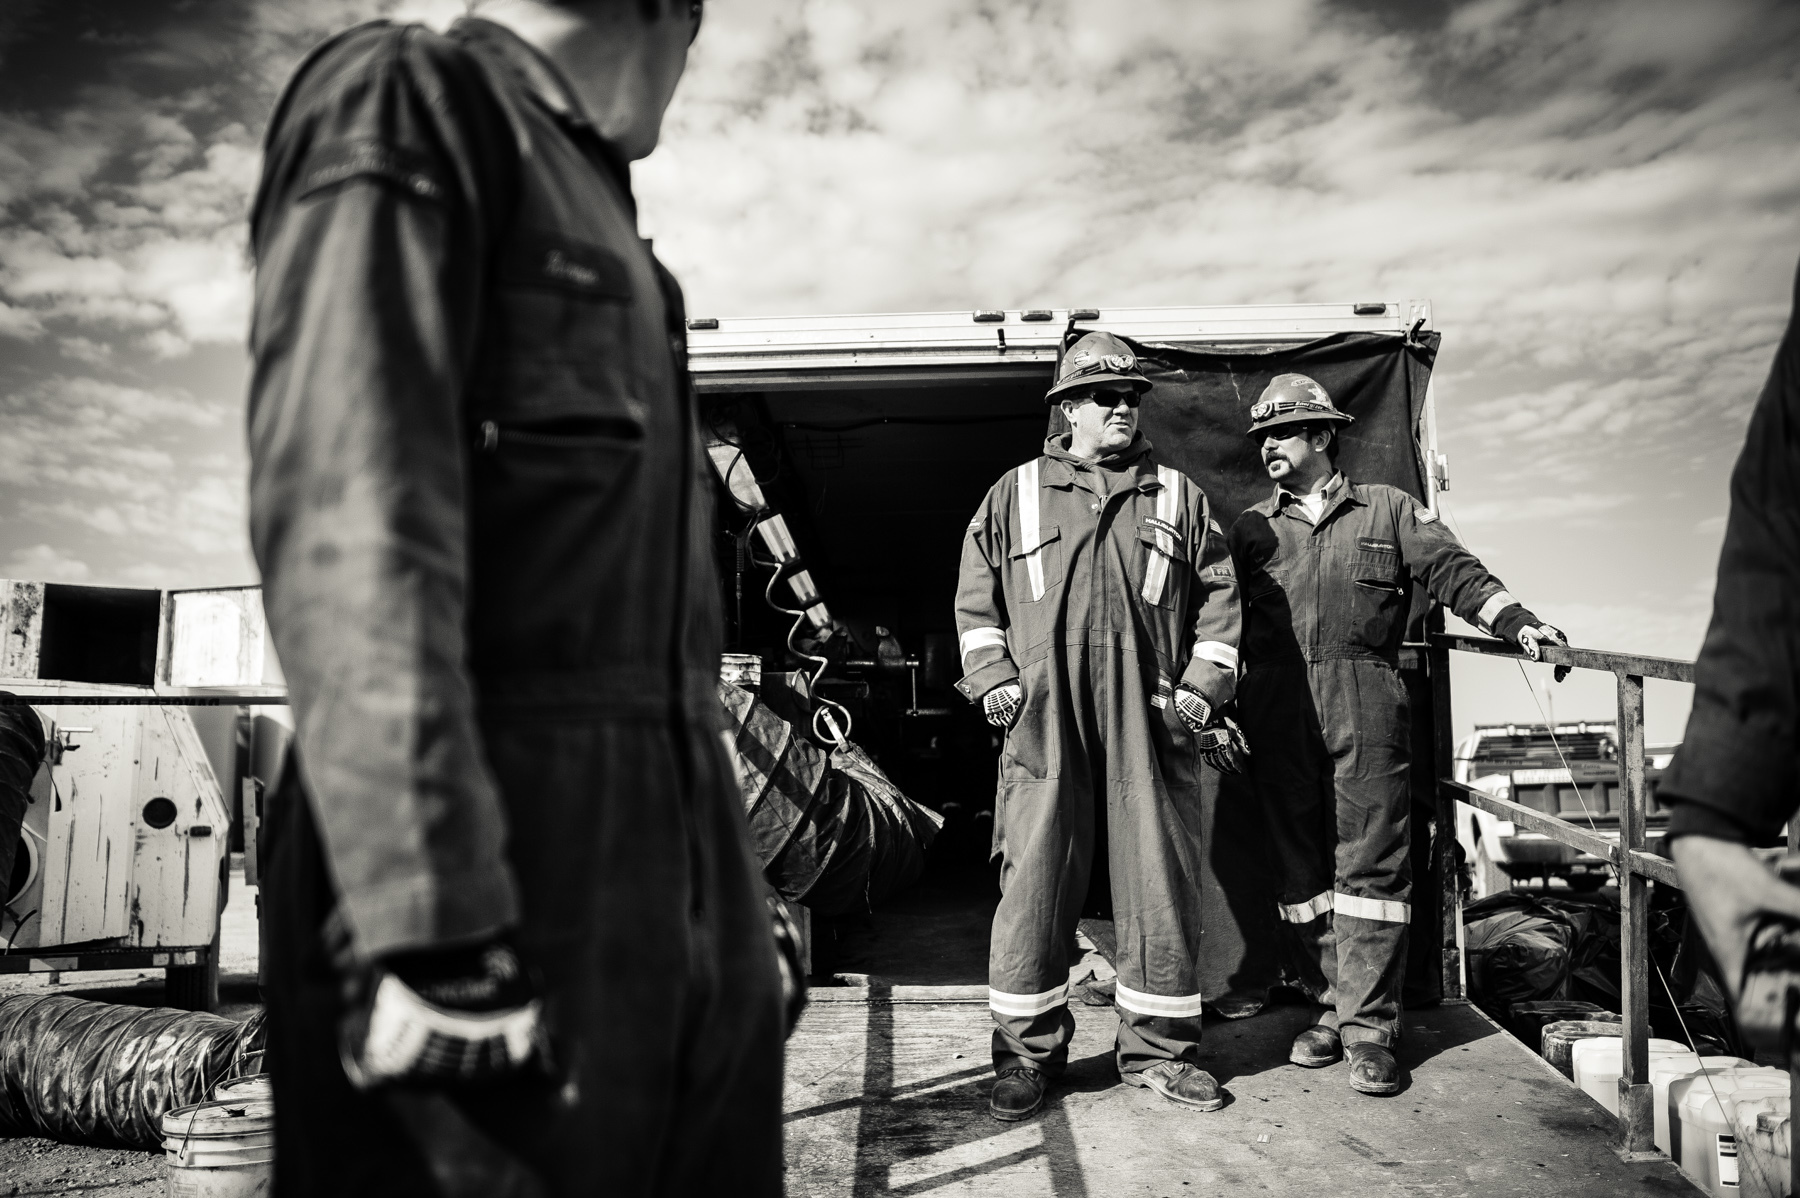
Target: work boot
(1018, 1093)
(1179, 1082)
(1373, 1069)
(1316, 1047)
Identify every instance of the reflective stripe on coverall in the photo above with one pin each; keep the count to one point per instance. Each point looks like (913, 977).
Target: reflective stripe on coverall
(484, 525)
(1099, 586)
(1325, 712)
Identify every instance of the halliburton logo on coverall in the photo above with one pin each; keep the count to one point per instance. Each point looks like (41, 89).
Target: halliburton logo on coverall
(1097, 586)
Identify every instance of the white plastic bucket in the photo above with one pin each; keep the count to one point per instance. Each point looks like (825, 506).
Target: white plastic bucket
(250, 1087)
(1664, 1073)
(1599, 1062)
(1709, 1154)
(224, 1148)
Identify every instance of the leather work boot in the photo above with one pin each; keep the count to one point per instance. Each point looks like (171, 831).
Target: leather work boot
(1373, 1069)
(1018, 1093)
(1180, 1082)
(1316, 1047)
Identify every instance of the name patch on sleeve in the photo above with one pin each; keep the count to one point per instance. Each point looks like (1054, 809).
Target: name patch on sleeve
(408, 170)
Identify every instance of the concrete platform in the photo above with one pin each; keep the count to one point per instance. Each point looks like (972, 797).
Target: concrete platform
(889, 1096)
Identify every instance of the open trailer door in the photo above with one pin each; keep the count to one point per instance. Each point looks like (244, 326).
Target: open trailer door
(875, 437)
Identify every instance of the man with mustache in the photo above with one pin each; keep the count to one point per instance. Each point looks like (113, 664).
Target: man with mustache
(1327, 566)
(1099, 618)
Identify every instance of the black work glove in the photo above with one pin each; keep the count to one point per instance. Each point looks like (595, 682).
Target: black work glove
(1003, 704)
(462, 1015)
(1222, 745)
(1218, 739)
(1516, 623)
(793, 969)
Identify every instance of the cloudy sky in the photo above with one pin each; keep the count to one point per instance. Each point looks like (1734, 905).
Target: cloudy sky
(1601, 200)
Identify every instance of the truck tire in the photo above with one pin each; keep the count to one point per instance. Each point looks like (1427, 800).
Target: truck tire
(1490, 878)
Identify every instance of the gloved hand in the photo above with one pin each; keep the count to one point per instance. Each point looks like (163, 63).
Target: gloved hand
(1222, 746)
(1193, 708)
(1516, 623)
(1003, 704)
(443, 1017)
(793, 970)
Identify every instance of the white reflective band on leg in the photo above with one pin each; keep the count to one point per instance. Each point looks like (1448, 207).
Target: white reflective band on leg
(1187, 1006)
(1156, 574)
(1028, 527)
(1381, 910)
(1023, 1006)
(981, 638)
(1308, 911)
(1493, 607)
(1217, 652)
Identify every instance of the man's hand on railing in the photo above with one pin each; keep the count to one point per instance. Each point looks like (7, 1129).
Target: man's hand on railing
(1730, 891)
(1533, 636)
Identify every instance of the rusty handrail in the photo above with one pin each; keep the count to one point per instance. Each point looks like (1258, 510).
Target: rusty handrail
(1635, 867)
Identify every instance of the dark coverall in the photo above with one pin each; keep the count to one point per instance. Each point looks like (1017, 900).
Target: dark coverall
(1325, 712)
(1099, 587)
(482, 516)
(1736, 775)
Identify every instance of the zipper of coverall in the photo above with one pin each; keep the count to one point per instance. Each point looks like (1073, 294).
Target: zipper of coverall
(685, 774)
(678, 629)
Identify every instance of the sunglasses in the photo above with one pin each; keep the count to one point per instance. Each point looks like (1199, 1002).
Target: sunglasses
(1110, 399)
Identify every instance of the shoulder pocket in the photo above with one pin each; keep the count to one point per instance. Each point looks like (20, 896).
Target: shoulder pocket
(408, 170)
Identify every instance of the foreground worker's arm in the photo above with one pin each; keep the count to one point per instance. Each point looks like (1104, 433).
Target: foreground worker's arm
(1458, 580)
(1218, 616)
(370, 241)
(1736, 777)
(989, 676)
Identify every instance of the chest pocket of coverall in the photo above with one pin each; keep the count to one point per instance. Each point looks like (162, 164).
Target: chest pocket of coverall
(1380, 595)
(1042, 567)
(1162, 584)
(559, 440)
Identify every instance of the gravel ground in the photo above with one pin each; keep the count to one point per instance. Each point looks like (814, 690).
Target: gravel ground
(33, 1166)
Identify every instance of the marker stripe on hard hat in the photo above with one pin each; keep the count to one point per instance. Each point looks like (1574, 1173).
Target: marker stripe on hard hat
(1023, 1006)
(1497, 603)
(1185, 1006)
(981, 638)
(1028, 527)
(1379, 910)
(1217, 652)
(1308, 911)
(1156, 574)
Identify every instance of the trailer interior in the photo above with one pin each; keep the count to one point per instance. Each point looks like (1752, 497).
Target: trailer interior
(875, 439)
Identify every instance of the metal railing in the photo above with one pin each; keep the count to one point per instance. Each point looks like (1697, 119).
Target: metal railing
(1636, 868)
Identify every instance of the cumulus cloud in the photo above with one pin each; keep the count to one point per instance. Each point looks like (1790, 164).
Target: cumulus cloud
(41, 563)
(1600, 200)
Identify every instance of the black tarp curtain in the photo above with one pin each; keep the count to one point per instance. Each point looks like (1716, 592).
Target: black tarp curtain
(1196, 415)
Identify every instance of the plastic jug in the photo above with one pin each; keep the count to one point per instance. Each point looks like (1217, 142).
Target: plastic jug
(1665, 1072)
(1708, 1136)
(1560, 1038)
(1764, 1143)
(1597, 1064)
